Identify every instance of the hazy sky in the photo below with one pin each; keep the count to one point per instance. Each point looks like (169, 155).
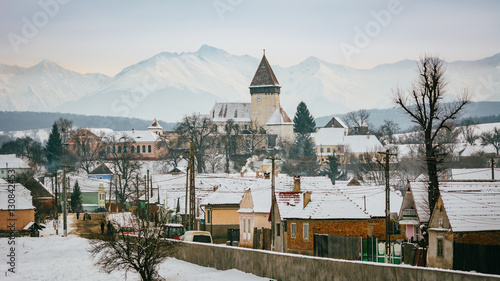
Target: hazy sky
(106, 36)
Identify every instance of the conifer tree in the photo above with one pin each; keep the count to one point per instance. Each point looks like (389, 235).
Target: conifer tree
(54, 149)
(303, 120)
(76, 198)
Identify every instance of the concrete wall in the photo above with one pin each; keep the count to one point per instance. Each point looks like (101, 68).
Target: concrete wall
(295, 267)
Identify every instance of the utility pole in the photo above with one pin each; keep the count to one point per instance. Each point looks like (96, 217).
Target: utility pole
(146, 195)
(387, 155)
(273, 195)
(492, 168)
(65, 216)
(192, 194)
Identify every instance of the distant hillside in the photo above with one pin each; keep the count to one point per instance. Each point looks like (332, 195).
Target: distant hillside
(480, 112)
(25, 120)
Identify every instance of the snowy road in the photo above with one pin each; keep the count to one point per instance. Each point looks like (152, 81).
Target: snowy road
(59, 258)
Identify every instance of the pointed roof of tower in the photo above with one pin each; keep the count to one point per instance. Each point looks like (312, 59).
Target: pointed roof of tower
(155, 125)
(264, 76)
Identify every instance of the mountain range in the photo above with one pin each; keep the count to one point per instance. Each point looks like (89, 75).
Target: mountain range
(170, 85)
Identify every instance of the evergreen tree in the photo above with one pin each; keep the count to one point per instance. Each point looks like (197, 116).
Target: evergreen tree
(333, 168)
(54, 149)
(76, 198)
(303, 120)
(302, 158)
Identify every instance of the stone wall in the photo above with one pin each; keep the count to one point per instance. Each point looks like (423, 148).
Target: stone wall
(295, 267)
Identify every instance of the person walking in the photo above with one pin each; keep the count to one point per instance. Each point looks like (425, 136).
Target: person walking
(102, 227)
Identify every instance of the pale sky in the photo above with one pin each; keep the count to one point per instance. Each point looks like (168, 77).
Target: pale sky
(107, 36)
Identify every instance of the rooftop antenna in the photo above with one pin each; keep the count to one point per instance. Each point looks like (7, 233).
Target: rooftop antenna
(264, 50)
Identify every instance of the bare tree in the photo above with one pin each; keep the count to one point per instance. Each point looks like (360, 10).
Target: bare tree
(491, 138)
(125, 163)
(424, 104)
(142, 252)
(357, 121)
(201, 132)
(386, 132)
(173, 145)
(229, 138)
(468, 131)
(88, 148)
(65, 128)
(252, 138)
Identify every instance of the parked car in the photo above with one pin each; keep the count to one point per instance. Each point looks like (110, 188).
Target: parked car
(173, 230)
(127, 230)
(197, 236)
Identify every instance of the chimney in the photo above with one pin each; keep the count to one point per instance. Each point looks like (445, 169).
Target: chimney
(307, 198)
(296, 184)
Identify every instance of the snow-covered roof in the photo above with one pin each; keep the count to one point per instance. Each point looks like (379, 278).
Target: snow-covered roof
(139, 135)
(329, 136)
(20, 202)
(471, 206)
(155, 125)
(86, 184)
(323, 205)
(12, 162)
(474, 174)
(336, 122)
(279, 117)
(419, 191)
(371, 198)
(362, 143)
(20, 191)
(223, 196)
(238, 112)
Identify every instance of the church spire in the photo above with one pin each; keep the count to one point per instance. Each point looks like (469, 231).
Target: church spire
(264, 76)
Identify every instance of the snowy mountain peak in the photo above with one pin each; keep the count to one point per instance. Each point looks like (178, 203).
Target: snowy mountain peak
(207, 50)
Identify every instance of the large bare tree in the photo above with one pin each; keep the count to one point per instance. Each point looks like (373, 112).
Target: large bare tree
(425, 106)
(142, 252)
(124, 162)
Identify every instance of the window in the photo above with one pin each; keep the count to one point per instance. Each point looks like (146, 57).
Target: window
(208, 216)
(138, 149)
(278, 229)
(143, 149)
(321, 150)
(440, 247)
(294, 230)
(119, 149)
(249, 232)
(149, 148)
(306, 231)
(328, 149)
(132, 149)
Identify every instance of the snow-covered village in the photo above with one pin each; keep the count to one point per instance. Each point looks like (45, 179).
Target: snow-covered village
(317, 141)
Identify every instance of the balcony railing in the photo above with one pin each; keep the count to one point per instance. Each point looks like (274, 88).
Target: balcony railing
(409, 214)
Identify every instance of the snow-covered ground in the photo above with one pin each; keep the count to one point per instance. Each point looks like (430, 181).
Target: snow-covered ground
(67, 258)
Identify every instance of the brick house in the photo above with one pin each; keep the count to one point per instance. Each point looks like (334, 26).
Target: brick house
(464, 229)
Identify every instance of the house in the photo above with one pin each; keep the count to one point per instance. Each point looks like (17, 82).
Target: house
(350, 149)
(11, 162)
(301, 214)
(372, 199)
(95, 192)
(415, 210)
(221, 212)
(103, 172)
(16, 207)
(253, 213)
(264, 110)
(464, 229)
(91, 143)
(474, 174)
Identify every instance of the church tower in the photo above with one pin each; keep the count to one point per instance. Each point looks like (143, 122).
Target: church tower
(265, 92)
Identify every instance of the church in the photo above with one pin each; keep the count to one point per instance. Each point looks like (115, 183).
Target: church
(263, 111)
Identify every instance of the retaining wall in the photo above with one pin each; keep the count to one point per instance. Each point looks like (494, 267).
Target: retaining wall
(289, 267)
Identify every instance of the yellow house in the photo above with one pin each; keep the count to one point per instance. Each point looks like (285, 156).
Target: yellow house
(253, 213)
(221, 212)
(15, 210)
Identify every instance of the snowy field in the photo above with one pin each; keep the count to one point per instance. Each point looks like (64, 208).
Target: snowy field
(59, 258)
